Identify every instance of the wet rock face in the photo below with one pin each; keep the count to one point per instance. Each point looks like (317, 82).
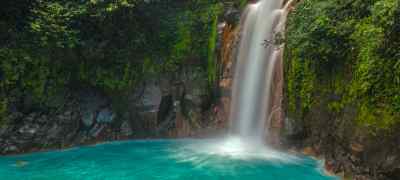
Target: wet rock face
(152, 96)
(36, 131)
(349, 150)
(229, 39)
(126, 129)
(182, 106)
(276, 119)
(29, 130)
(165, 106)
(232, 15)
(105, 116)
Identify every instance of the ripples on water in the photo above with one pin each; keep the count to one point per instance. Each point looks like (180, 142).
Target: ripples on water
(212, 159)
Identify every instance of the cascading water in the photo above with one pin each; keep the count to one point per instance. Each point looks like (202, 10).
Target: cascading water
(259, 50)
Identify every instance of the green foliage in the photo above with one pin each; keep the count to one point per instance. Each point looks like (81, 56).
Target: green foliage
(212, 41)
(181, 48)
(3, 112)
(351, 49)
(301, 82)
(51, 23)
(17, 65)
(53, 46)
(243, 3)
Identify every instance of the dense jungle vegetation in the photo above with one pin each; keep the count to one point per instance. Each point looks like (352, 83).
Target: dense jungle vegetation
(48, 47)
(346, 53)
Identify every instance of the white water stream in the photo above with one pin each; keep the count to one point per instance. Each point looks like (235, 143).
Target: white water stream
(262, 24)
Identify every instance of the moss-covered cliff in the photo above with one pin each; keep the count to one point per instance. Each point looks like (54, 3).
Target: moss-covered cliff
(342, 66)
(81, 71)
(50, 46)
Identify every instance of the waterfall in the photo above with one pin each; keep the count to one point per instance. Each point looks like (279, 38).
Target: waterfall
(259, 50)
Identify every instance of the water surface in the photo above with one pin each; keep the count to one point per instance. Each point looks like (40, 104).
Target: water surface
(162, 159)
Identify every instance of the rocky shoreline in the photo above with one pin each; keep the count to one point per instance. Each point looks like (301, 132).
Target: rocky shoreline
(345, 169)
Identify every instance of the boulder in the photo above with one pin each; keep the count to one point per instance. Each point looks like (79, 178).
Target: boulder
(356, 148)
(29, 129)
(105, 116)
(151, 97)
(96, 130)
(54, 131)
(126, 129)
(88, 118)
(232, 15)
(10, 149)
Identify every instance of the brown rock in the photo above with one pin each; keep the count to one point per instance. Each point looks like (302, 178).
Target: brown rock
(329, 166)
(309, 151)
(356, 148)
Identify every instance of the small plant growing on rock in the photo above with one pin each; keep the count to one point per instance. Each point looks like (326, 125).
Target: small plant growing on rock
(277, 40)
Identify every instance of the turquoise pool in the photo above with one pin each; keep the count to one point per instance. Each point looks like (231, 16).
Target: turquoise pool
(161, 159)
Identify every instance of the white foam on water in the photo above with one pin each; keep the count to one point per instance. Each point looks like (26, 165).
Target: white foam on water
(230, 148)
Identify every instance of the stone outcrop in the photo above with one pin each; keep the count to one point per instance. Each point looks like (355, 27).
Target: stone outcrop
(276, 117)
(169, 106)
(229, 42)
